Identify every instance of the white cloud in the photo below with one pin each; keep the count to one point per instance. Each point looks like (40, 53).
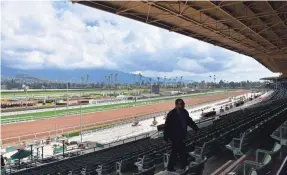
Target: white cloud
(207, 60)
(65, 35)
(190, 65)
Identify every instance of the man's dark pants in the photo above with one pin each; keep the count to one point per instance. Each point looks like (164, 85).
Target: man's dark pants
(178, 147)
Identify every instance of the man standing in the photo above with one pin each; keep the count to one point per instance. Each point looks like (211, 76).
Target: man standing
(175, 130)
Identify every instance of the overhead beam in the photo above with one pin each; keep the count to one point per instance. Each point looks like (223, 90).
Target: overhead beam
(196, 12)
(204, 26)
(247, 27)
(283, 22)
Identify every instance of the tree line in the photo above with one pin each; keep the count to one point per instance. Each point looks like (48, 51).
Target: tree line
(13, 84)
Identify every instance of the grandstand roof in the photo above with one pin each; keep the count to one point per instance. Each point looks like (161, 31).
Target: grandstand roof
(275, 78)
(257, 29)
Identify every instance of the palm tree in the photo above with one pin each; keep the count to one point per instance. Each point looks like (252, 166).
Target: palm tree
(181, 80)
(164, 79)
(210, 80)
(111, 77)
(134, 79)
(109, 80)
(87, 78)
(106, 78)
(174, 83)
(158, 78)
(214, 80)
(150, 83)
(140, 77)
(116, 78)
(82, 81)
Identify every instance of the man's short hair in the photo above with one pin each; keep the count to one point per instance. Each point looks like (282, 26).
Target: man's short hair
(179, 100)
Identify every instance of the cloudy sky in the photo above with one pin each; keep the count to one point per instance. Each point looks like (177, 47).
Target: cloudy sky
(46, 34)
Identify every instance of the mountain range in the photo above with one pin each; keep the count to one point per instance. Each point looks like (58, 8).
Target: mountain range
(70, 75)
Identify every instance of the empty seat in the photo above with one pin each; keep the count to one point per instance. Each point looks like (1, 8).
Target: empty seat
(280, 134)
(274, 152)
(149, 171)
(144, 163)
(196, 168)
(258, 168)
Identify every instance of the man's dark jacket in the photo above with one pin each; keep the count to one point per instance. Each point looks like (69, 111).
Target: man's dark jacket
(176, 123)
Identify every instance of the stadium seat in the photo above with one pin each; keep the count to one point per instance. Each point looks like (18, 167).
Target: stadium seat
(149, 171)
(207, 149)
(280, 134)
(196, 168)
(258, 168)
(165, 159)
(144, 163)
(273, 152)
(105, 169)
(236, 145)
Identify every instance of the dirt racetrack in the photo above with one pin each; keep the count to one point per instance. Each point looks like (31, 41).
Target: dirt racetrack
(48, 126)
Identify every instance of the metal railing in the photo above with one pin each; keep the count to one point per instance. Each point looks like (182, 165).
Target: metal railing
(12, 167)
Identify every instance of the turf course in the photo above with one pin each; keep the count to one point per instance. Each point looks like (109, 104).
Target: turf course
(59, 92)
(91, 109)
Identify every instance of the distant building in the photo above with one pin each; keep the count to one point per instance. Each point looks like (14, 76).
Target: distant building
(155, 89)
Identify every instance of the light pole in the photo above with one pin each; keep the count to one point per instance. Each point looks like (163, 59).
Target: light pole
(26, 89)
(26, 96)
(214, 82)
(55, 105)
(81, 120)
(67, 100)
(210, 81)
